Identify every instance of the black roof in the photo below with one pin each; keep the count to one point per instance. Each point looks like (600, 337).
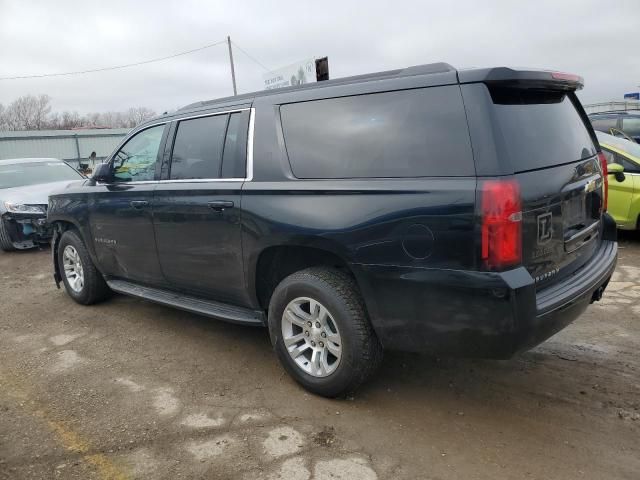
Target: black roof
(427, 69)
(439, 73)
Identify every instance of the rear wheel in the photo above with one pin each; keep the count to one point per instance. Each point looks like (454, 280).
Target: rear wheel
(320, 330)
(82, 280)
(5, 240)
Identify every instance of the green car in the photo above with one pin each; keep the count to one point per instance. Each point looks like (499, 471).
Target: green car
(623, 162)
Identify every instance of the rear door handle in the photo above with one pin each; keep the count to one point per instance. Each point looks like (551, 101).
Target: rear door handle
(138, 203)
(220, 205)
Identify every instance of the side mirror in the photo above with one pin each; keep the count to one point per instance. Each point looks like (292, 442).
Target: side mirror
(617, 170)
(102, 173)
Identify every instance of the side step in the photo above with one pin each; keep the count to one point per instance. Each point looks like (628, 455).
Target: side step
(209, 308)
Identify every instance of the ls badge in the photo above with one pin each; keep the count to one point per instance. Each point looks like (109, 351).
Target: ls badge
(544, 227)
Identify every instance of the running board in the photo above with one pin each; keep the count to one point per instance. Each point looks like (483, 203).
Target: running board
(210, 308)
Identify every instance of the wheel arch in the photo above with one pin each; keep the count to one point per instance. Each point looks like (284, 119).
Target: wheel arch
(275, 262)
(59, 227)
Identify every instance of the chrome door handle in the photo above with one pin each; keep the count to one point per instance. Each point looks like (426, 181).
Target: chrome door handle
(220, 205)
(138, 203)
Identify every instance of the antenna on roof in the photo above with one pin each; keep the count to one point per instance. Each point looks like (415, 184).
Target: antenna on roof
(233, 71)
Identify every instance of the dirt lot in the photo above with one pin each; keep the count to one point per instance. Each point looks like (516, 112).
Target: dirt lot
(129, 389)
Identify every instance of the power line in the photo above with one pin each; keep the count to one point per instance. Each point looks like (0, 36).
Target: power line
(117, 67)
(252, 58)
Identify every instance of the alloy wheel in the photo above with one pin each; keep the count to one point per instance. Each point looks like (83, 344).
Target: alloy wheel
(73, 270)
(311, 337)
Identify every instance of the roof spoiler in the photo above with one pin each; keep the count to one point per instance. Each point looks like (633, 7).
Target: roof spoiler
(543, 79)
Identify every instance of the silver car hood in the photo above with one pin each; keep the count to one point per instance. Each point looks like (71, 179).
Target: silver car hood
(34, 194)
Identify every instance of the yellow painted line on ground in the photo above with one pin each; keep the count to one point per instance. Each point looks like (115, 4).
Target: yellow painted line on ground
(64, 434)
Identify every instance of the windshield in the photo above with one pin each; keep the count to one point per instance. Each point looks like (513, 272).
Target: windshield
(22, 174)
(626, 146)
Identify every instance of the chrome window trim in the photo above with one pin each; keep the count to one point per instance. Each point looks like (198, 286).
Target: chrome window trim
(250, 139)
(249, 165)
(212, 114)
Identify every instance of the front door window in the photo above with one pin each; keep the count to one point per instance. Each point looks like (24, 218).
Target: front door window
(136, 160)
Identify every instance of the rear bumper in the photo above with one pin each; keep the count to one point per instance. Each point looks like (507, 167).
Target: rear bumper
(477, 314)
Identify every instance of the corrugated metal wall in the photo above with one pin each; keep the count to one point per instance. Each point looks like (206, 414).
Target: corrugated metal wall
(62, 144)
(612, 106)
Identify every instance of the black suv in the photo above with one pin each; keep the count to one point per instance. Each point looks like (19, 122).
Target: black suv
(425, 209)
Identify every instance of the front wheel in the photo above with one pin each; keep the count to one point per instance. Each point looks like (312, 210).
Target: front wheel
(82, 280)
(319, 327)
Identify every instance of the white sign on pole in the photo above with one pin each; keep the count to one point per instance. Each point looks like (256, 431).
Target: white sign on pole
(295, 74)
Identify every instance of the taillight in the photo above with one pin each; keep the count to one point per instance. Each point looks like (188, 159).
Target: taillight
(605, 180)
(501, 212)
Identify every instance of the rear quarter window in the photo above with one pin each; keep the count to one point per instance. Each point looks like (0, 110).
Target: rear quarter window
(409, 133)
(540, 128)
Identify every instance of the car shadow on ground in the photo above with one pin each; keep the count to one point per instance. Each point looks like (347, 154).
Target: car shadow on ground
(417, 378)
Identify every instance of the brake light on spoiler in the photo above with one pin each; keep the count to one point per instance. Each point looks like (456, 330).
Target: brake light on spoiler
(567, 77)
(501, 230)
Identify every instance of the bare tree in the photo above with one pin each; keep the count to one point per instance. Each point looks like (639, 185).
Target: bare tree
(70, 120)
(3, 123)
(138, 115)
(33, 112)
(28, 112)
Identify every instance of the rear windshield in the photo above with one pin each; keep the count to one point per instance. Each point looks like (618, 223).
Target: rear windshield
(540, 128)
(22, 174)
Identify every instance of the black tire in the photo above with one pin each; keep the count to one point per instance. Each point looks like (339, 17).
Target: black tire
(6, 244)
(338, 293)
(95, 289)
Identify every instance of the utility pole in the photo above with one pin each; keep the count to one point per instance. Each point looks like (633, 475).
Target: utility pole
(233, 71)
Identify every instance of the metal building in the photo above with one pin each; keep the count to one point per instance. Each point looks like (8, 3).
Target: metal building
(73, 146)
(613, 106)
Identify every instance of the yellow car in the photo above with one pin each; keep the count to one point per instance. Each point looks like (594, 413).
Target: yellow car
(623, 163)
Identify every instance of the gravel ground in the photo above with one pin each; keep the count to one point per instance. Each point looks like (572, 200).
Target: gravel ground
(129, 389)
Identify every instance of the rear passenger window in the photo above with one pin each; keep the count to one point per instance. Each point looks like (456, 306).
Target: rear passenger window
(235, 146)
(409, 133)
(197, 151)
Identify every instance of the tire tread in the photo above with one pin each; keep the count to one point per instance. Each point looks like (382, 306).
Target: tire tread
(5, 240)
(95, 285)
(343, 285)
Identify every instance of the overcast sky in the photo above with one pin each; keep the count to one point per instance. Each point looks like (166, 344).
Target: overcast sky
(595, 39)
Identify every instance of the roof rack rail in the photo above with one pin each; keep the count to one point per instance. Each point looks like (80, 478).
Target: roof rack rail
(427, 69)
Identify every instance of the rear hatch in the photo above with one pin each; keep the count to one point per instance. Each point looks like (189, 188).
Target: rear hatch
(550, 147)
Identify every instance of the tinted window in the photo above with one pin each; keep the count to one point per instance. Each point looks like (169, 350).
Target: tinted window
(21, 174)
(136, 160)
(235, 146)
(540, 129)
(629, 166)
(410, 133)
(604, 124)
(631, 126)
(197, 151)
(613, 157)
